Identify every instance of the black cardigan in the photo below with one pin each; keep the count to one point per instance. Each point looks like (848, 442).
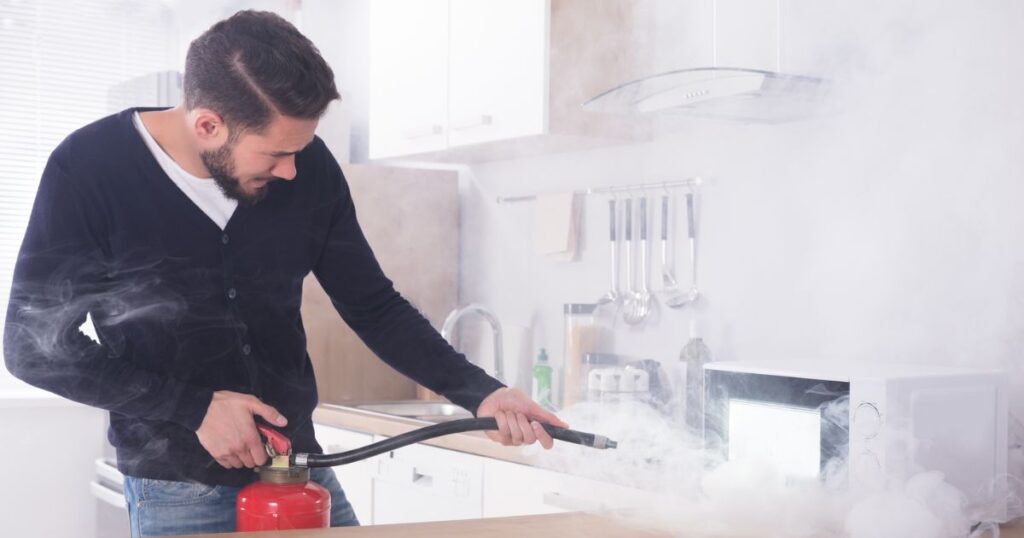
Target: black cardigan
(183, 308)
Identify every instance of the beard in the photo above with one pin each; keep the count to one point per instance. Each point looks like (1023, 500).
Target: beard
(221, 166)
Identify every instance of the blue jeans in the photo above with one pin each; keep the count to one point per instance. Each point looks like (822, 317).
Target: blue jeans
(166, 508)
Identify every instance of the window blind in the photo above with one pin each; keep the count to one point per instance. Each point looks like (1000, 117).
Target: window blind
(63, 65)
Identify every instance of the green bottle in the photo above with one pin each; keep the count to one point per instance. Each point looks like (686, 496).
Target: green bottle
(542, 380)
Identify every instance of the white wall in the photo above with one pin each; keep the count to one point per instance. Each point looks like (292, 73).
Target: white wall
(887, 230)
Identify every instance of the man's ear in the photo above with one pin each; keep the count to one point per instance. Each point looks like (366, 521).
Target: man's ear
(208, 127)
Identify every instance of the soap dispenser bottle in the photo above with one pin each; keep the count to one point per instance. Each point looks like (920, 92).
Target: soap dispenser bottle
(542, 380)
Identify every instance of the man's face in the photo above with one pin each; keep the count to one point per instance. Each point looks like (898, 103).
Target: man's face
(244, 168)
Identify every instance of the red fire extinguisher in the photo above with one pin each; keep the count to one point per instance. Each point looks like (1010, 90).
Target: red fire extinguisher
(284, 497)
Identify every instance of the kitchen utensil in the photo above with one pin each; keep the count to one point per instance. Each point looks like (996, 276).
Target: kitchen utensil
(629, 304)
(639, 304)
(613, 295)
(674, 297)
(691, 227)
(644, 298)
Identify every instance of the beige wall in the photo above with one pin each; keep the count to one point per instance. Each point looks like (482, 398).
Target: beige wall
(410, 218)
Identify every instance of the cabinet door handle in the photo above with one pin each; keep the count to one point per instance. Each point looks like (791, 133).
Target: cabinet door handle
(483, 121)
(424, 132)
(422, 479)
(571, 504)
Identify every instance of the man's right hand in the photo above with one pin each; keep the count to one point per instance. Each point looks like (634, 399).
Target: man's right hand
(228, 431)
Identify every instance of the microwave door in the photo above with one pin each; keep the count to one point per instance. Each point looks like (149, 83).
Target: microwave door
(797, 425)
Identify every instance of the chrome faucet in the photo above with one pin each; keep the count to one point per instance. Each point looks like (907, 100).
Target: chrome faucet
(457, 314)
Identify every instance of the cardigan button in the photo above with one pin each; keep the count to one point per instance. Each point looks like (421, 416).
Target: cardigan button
(232, 293)
(224, 239)
(246, 349)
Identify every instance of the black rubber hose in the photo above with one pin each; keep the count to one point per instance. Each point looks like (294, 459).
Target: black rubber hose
(437, 430)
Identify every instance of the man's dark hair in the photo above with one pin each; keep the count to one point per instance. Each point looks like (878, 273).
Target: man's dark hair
(253, 65)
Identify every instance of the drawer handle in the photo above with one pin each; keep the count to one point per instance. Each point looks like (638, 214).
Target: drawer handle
(424, 132)
(422, 479)
(570, 504)
(483, 120)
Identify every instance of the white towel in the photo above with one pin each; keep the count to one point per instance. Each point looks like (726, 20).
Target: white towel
(555, 225)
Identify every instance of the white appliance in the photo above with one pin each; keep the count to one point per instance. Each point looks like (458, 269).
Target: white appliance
(111, 509)
(882, 420)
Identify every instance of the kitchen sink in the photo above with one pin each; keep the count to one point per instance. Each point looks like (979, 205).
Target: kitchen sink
(418, 409)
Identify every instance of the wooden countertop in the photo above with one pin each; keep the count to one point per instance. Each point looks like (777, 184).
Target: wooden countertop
(562, 525)
(569, 525)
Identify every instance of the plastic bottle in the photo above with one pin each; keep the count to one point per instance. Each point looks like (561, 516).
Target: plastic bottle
(694, 355)
(582, 336)
(542, 380)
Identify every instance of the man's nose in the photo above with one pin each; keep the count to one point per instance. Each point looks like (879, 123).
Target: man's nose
(285, 168)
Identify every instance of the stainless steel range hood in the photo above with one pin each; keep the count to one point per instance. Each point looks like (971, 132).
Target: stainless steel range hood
(745, 80)
(739, 94)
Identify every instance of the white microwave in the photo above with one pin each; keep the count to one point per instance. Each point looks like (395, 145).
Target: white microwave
(883, 420)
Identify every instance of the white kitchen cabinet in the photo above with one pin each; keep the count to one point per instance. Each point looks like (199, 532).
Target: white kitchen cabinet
(497, 69)
(355, 478)
(472, 80)
(423, 483)
(453, 72)
(408, 76)
(517, 490)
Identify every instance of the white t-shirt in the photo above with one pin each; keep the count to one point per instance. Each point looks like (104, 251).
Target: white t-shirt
(204, 192)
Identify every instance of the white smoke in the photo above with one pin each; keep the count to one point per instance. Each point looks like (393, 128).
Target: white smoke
(886, 229)
(680, 487)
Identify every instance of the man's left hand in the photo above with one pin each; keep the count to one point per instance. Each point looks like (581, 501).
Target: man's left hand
(518, 418)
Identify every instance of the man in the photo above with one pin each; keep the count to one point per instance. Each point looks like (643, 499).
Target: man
(184, 235)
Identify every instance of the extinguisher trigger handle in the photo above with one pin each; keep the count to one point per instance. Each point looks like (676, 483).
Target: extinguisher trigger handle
(274, 441)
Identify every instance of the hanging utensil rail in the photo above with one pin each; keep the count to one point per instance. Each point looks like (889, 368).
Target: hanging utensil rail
(691, 183)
